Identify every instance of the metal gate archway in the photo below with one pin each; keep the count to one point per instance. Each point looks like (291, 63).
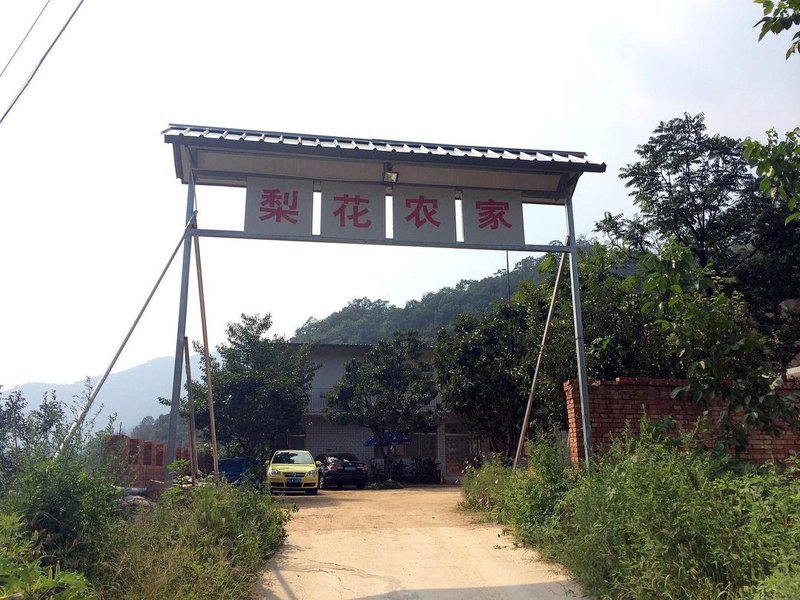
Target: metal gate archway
(498, 181)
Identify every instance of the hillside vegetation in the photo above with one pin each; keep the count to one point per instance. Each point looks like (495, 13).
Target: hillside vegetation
(365, 321)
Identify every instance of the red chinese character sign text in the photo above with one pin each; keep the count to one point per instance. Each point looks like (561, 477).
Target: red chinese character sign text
(424, 214)
(279, 207)
(492, 217)
(353, 211)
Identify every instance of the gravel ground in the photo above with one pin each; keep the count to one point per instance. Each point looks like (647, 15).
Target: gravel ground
(405, 544)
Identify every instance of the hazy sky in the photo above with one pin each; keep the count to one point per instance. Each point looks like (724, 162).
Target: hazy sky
(90, 208)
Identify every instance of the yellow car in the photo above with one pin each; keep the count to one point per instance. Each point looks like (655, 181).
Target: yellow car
(293, 471)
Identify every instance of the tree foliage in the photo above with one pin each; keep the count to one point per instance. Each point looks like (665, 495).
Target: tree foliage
(485, 362)
(694, 188)
(719, 348)
(778, 164)
(365, 321)
(24, 433)
(261, 388)
(389, 390)
(779, 17)
(157, 429)
(482, 369)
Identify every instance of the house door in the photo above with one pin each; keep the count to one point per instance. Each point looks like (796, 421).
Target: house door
(457, 452)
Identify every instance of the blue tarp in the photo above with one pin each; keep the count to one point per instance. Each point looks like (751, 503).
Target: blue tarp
(233, 469)
(389, 438)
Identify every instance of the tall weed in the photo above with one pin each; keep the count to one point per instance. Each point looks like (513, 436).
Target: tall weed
(531, 498)
(203, 542)
(71, 512)
(484, 487)
(655, 519)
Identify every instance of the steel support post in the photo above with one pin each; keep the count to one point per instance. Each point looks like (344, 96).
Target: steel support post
(184, 299)
(577, 314)
(526, 422)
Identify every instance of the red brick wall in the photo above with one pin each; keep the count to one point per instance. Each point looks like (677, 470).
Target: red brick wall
(145, 460)
(615, 404)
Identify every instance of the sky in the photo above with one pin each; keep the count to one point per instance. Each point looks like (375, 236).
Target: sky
(90, 208)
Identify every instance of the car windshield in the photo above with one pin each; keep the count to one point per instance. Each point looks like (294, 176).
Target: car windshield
(295, 457)
(345, 456)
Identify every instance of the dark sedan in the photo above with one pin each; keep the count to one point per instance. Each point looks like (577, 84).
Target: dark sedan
(341, 468)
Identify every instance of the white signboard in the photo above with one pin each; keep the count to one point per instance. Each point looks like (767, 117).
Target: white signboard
(424, 214)
(279, 207)
(353, 211)
(492, 217)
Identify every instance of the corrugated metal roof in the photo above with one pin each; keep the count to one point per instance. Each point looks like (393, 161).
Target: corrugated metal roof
(513, 158)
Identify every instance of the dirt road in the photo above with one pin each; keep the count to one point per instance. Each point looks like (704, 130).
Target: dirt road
(411, 544)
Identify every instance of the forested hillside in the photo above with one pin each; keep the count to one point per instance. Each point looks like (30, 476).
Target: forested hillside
(365, 321)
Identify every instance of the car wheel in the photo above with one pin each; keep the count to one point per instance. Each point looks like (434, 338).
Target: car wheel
(312, 492)
(361, 485)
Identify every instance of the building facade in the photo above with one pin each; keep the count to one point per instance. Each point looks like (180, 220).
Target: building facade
(451, 445)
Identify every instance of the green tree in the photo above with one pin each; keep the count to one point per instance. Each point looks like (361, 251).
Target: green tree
(157, 429)
(779, 17)
(261, 388)
(778, 164)
(483, 371)
(695, 188)
(485, 362)
(390, 391)
(718, 346)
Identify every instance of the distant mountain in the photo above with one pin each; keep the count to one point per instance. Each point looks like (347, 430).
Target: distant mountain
(365, 321)
(132, 394)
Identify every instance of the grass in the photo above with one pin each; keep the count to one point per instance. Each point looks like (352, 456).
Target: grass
(657, 517)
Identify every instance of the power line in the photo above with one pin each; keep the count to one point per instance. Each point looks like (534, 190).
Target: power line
(25, 37)
(39, 64)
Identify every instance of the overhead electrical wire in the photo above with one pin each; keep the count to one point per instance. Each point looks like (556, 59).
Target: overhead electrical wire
(35, 21)
(39, 64)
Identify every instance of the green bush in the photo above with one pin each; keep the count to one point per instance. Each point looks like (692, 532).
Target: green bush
(71, 512)
(210, 541)
(656, 517)
(21, 572)
(484, 487)
(532, 496)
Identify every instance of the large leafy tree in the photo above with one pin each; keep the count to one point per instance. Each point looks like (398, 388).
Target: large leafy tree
(695, 188)
(390, 390)
(261, 388)
(724, 358)
(778, 164)
(482, 370)
(485, 362)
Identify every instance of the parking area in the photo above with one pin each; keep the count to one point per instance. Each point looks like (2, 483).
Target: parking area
(410, 544)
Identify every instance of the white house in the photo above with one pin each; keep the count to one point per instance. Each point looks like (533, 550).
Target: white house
(450, 445)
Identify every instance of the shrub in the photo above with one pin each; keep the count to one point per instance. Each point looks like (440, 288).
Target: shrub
(484, 487)
(204, 542)
(21, 572)
(531, 497)
(71, 512)
(656, 519)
